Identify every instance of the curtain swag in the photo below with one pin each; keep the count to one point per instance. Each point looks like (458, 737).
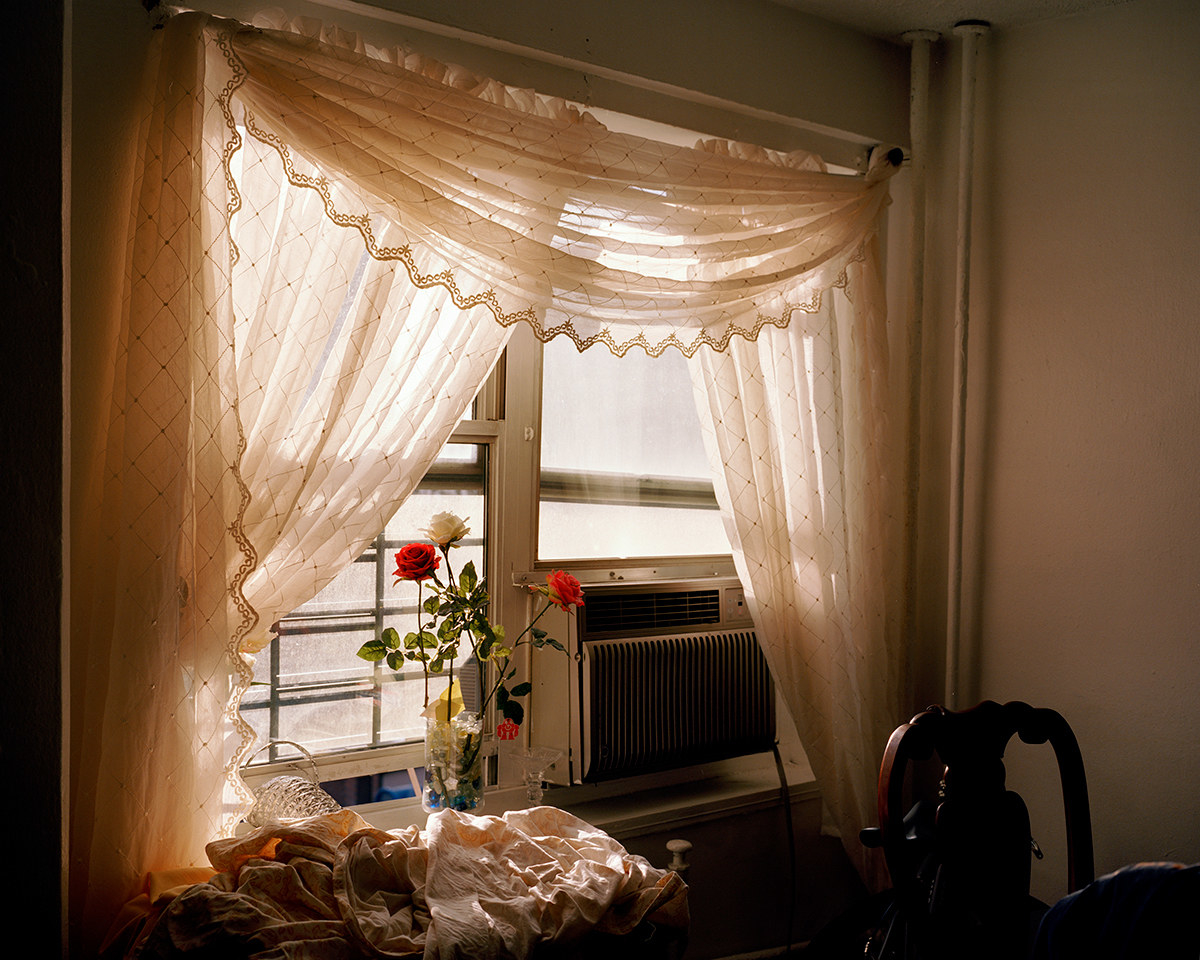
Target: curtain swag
(328, 249)
(531, 210)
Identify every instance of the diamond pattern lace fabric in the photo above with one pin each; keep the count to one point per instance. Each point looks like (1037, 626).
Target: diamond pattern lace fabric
(795, 425)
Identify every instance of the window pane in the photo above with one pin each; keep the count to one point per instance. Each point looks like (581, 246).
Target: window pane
(328, 724)
(351, 590)
(401, 719)
(310, 686)
(457, 486)
(307, 658)
(624, 472)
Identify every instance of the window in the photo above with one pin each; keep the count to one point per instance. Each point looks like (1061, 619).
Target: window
(623, 480)
(623, 473)
(623, 470)
(577, 460)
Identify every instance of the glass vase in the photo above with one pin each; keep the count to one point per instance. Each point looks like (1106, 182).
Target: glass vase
(453, 763)
(533, 764)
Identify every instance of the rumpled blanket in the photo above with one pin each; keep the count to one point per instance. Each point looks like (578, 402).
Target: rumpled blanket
(527, 882)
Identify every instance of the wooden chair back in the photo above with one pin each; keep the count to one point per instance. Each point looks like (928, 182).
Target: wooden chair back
(960, 864)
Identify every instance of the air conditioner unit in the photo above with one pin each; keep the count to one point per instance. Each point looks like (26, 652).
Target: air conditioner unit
(667, 675)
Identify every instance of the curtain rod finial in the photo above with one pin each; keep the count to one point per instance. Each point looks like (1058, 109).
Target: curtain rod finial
(883, 161)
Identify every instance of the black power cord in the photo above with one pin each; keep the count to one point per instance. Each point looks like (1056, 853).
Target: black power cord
(786, 798)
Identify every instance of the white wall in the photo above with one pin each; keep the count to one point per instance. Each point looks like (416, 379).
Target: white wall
(1084, 436)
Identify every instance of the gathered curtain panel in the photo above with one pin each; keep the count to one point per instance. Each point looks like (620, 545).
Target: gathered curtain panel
(794, 426)
(328, 248)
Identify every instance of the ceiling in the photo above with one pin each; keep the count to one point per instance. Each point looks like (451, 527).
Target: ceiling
(890, 18)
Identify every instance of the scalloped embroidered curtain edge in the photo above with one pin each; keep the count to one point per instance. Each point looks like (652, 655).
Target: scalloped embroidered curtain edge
(277, 392)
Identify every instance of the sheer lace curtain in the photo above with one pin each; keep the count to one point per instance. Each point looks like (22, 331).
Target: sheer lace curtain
(795, 427)
(278, 392)
(327, 250)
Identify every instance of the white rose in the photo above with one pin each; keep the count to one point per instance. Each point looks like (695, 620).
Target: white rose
(445, 529)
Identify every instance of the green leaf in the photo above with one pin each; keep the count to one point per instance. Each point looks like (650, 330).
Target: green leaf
(428, 640)
(488, 637)
(555, 644)
(436, 665)
(395, 659)
(538, 633)
(501, 696)
(373, 650)
(468, 578)
(411, 641)
(522, 689)
(432, 606)
(391, 638)
(513, 711)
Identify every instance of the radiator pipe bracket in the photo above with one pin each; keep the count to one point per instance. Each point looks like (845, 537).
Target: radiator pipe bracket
(679, 850)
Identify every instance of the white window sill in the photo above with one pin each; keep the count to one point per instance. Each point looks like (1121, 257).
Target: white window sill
(644, 805)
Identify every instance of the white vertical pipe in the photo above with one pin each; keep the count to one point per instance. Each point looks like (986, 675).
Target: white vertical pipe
(971, 31)
(918, 125)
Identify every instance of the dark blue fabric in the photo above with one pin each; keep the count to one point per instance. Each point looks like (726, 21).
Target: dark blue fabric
(1148, 911)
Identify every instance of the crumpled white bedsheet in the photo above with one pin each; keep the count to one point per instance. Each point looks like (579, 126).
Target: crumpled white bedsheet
(466, 887)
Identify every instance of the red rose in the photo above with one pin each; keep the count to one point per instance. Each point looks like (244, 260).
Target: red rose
(565, 591)
(416, 561)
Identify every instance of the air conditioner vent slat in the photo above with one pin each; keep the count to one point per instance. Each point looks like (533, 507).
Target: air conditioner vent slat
(644, 612)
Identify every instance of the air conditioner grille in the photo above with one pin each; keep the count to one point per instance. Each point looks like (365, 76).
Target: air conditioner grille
(657, 703)
(645, 612)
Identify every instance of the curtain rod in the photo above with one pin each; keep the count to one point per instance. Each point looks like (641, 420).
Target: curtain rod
(836, 146)
(854, 150)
